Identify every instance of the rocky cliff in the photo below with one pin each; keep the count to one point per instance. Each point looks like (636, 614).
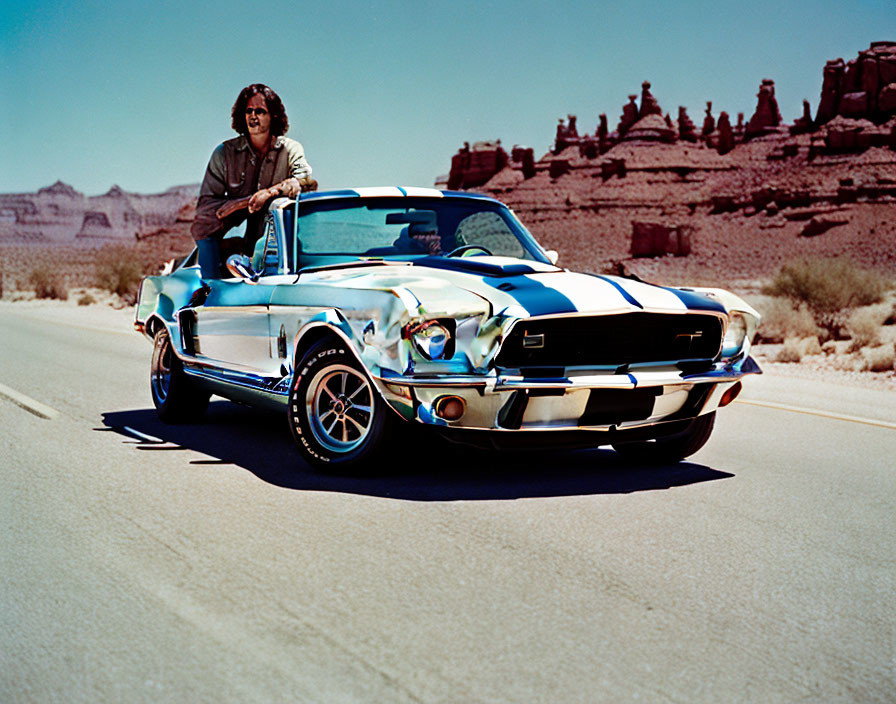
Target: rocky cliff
(732, 200)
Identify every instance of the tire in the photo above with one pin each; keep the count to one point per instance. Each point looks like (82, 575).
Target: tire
(337, 418)
(671, 449)
(176, 398)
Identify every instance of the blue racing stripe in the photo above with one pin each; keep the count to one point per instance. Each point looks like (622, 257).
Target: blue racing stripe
(532, 295)
(696, 301)
(625, 294)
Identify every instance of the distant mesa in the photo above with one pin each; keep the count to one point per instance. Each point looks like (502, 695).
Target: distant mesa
(60, 188)
(61, 214)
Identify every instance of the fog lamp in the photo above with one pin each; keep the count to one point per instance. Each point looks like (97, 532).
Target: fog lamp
(449, 407)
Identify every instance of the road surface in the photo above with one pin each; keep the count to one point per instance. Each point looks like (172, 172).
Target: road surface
(144, 562)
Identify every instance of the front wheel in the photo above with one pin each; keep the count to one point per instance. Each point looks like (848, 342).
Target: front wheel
(335, 415)
(176, 398)
(672, 449)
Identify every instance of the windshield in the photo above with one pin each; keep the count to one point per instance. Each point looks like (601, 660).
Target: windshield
(408, 228)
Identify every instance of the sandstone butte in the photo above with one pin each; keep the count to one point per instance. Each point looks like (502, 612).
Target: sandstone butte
(725, 201)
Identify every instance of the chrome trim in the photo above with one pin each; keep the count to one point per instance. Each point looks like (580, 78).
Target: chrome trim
(247, 381)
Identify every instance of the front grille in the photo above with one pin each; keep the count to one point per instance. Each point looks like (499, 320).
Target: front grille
(611, 340)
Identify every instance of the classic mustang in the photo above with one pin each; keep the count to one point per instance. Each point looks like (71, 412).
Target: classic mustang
(361, 310)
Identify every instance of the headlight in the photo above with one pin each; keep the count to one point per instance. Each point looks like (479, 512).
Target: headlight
(432, 339)
(735, 335)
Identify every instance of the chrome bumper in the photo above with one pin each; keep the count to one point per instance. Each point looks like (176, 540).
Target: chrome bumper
(592, 401)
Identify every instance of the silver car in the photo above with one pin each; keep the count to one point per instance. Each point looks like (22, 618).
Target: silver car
(367, 309)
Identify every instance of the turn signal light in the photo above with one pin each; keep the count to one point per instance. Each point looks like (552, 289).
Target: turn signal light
(730, 395)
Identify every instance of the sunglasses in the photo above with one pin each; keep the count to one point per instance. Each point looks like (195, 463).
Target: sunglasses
(256, 111)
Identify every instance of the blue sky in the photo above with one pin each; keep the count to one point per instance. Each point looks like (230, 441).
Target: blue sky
(138, 94)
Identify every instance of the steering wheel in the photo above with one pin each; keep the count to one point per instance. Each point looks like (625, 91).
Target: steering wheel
(463, 249)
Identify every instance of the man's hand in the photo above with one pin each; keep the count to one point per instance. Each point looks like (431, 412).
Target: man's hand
(257, 201)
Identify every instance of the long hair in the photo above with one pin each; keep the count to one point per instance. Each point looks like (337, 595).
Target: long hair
(279, 121)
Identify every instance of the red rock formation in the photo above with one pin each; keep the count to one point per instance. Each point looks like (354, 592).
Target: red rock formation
(863, 88)
(603, 143)
(726, 135)
(767, 117)
(805, 123)
(629, 116)
(657, 239)
(472, 167)
(651, 128)
(686, 130)
(524, 158)
(567, 134)
(709, 123)
(649, 104)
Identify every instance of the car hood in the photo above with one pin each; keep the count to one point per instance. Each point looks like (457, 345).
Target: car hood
(516, 288)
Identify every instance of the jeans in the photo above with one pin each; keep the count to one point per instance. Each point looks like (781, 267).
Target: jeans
(209, 258)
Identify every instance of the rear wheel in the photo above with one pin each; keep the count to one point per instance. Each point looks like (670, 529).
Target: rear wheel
(176, 398)
(671, 449)
(336, 416)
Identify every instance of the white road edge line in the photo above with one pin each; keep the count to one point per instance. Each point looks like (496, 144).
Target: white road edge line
(823, 414)
(29, 404)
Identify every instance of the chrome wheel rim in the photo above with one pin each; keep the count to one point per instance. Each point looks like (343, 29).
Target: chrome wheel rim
(161, 373)
(339, 403)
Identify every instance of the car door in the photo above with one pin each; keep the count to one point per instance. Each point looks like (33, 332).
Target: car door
(232, 330)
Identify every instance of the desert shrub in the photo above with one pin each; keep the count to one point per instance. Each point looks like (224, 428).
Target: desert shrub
(117, 271)
(48, 284)
(864, 325)
(827, 287)
(879, 359)
(780, 320)
(796, 348)
(86, 300)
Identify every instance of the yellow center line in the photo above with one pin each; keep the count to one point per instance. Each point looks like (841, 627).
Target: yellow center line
(822, 414)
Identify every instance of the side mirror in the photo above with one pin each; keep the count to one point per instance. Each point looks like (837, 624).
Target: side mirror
(553, 256)
(241, 267)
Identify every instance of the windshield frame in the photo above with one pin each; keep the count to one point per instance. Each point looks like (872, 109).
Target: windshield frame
(297, 259)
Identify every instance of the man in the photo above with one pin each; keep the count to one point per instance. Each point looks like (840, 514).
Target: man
(260, 164)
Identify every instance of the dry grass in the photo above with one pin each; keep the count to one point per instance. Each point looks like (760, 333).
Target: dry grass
(828, 287)
(781, 319)
(796, 348)
(48, 283)
(864, 325)
(118, 271)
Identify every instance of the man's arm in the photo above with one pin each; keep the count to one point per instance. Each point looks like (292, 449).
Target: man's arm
(299, 179)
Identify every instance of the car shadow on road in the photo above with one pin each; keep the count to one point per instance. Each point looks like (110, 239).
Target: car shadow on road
(418, 470)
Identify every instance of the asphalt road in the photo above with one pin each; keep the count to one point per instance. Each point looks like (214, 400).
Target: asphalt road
(207, 563)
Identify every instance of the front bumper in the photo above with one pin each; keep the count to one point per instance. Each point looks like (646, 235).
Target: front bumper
(606, 401)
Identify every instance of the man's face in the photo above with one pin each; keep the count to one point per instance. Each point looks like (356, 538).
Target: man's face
(258, 119)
